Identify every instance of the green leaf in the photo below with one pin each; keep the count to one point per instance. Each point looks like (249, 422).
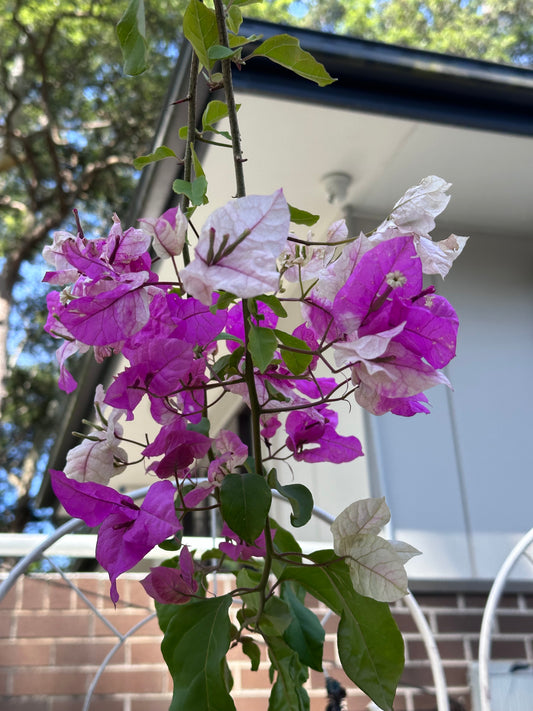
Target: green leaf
(274, 303)
(275, 394)
(302, 217)
(198, 170)
(286, 50)
(247, 578)
(203, 426)
(224, 300)
(287, 693)
(159, 154)
(214, 111)
(370, 644)
(234, 18)
(200, 28)
(131, 32)
(218, 51)
(299, 497)
(245, 500)
(262, 344)
(276, 617)
(252, 651)
(305, 634)
(195, 191)
(228, 337)
(183, 132)
(194, 647)
(297, 363)
(284, 542)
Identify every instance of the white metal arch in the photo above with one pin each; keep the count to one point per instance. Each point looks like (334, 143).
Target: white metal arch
(39, 552)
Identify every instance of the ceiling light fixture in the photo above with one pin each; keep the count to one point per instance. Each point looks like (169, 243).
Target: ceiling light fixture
(336, 185)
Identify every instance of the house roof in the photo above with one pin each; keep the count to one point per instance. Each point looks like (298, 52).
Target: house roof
(393, 116)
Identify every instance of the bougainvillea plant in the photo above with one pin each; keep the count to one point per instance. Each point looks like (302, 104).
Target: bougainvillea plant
(219, 329)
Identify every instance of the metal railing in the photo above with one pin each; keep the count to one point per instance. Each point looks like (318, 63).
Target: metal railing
(489, 614)
(40, 553)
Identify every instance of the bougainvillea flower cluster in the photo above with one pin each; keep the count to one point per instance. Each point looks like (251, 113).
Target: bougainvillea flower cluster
(220, 328)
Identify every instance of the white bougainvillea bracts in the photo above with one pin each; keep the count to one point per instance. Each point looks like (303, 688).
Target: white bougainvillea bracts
(368, 315)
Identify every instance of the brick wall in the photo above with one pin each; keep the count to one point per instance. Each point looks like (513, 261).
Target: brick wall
(51, 645)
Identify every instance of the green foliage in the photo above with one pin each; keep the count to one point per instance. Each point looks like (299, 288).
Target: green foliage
(252, 651)
(302, 217)
(369, 642)
(159, 154)
(286, 50)
(71, 125)
(195, 190)
(245, 500)
(299, 497)
(494, 30)
(196, 640)
(304, 634)
(296, 361)
(200, 28)
(262, 344)
(131, 32)
(287, 692)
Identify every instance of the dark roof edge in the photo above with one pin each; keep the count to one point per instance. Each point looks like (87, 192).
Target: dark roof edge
(396, 81)
(362, 67)
(356, 49)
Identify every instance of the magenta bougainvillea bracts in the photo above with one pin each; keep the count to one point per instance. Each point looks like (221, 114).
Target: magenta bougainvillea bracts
(366, 317)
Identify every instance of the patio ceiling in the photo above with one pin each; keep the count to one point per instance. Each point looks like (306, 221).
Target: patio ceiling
(393, 117)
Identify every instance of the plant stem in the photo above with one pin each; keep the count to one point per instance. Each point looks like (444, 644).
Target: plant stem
(191, 133)
(230, 100)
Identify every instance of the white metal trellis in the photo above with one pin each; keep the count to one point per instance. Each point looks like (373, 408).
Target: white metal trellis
(490, 613)
(39, 553)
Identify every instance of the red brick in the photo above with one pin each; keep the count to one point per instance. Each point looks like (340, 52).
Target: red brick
(135, 595)
(458, 622)
(517, 624)
(405, 621)
(456, 675)
(25, 704)
(24, 654)
(448, 649)
(146, 652)
(9, 601)
(400, 702)
(67, 703)
(35, 594)
(255, 679)
(150, 704)
(250, 703)
(49, 682)
(92, 652)
(6, 619)
(419, 675)
(124, 621)
(5, 677)
(54, 625)
(132, 681)
(98, 703)
(423, 702)
(427, 600)
(508, 649)
(59, 595)
(93, 589)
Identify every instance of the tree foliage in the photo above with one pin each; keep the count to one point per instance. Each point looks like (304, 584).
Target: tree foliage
(494, 30)
(70, 126)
